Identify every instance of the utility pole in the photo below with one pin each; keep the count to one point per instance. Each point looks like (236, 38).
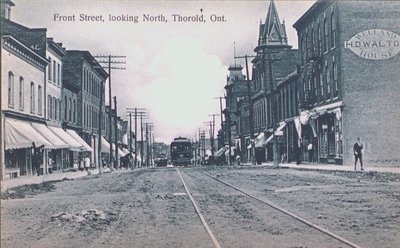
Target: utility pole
(109, 63)
(116, 164)
(138, 112)
(212, 133)
(273, 107)
(100, 160)
(222, 120)
(253, 149)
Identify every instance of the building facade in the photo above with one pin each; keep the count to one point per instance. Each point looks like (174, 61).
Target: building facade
(82, 70)
(349, 81)
(274, 60)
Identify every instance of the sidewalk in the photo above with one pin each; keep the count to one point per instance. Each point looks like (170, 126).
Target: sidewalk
(333, 167)
(57, 175)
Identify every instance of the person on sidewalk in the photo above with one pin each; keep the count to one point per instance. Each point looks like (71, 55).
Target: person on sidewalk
(310, 152)
(87, 162)
(357, 149)
(37, 158)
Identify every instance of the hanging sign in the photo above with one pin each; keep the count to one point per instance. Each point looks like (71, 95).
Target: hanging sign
(374, 44)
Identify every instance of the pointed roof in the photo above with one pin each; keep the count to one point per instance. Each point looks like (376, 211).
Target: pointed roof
(274, 32)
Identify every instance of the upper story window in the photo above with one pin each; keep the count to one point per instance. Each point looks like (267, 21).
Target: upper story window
(40, 99)
(74, 112)
(335, 79)
(49, 72)
(326, 35)
(54, 72)
(49, 106)
(70, 110)
(55, 109)
(10, 89)
(65, 108)
(21, 93)
(59, 74)
(333, 30)
(328, 83)
(32, 98)
(319, 46)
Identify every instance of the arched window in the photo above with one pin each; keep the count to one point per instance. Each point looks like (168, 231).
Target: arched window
(21, 93)
(326, 35)
(319, 40)
(335, 79)
(10, 89)
(333, 30)
(40, 100)
(32, 98)
(328, 82)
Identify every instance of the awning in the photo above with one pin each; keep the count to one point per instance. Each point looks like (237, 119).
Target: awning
(64, 136)
(125, 151)
(281, 126)
(260, 140)
(105, 145)
(85, 146)
(220, 152)
(20, 134)
(50, 136)
(232, 151)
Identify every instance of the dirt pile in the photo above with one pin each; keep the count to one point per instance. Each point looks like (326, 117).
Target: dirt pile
(91, 217)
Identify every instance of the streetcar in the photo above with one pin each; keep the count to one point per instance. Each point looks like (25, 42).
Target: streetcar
(181, 151)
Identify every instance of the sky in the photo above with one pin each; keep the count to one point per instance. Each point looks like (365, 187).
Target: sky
(173, 69)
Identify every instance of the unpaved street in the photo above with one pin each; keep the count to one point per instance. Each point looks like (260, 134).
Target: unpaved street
(151, 208)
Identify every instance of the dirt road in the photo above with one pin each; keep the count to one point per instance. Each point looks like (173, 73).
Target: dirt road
(151, 208)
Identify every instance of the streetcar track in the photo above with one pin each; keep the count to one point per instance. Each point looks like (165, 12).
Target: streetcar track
(202, 219)
(276, 207)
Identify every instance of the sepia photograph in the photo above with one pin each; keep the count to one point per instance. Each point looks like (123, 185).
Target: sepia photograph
(200, 123)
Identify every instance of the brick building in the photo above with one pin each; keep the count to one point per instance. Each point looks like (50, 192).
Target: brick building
(272, 48)
(82, 70)
(236, 89)
(349, 80)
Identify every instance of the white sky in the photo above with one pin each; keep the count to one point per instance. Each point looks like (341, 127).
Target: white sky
(174, 70)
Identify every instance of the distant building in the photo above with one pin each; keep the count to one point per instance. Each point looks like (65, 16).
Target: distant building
(349, 80)
(236, 90)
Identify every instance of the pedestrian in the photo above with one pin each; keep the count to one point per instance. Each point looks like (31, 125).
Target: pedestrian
(87, 163)
(37, 158)
(357, 149)
(238, 160)
(310, 152)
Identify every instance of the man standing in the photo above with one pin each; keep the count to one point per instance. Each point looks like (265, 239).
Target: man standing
(357, 149)
(310, 152)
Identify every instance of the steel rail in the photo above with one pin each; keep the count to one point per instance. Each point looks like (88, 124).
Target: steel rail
(203, 221)
(269, 203)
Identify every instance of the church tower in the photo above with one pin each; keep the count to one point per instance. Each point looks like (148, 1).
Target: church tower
(272, 32)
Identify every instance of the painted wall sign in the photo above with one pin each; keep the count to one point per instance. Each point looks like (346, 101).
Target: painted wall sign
(375, 44)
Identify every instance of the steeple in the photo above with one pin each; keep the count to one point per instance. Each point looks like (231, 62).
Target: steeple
(273, 32)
